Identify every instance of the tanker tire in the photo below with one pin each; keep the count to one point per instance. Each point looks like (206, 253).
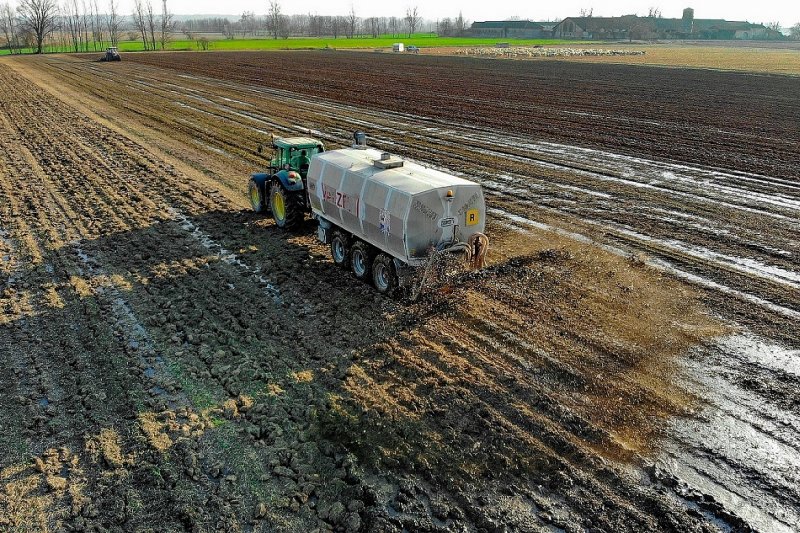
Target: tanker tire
(384, 274)
(361, 260)
(287, 207)
(256, 197)
(340, 249)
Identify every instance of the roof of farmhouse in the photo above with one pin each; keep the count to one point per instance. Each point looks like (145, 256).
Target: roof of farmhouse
(624, 22)
(515, 24)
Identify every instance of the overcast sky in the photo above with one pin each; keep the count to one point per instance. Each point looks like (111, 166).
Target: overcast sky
(786, 11)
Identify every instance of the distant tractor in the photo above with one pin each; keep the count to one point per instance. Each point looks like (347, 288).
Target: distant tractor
(282, 190)
(112, 54)
(385, 219)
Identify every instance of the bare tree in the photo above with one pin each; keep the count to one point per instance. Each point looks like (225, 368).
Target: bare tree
(151, 24)
(412, 19)
(795, 32)
(39, 17)
(97, 25)
(8, 22)
(140, 23)
(774, 26)
(7, 25)
(75, 24)
(298, 24)
(228, 30)
(373, 26)
(247, 23)
(72, 20)
(352, 21)
(85, 23)
(336, 25)
(113, 22)
(274, 19)
(315, 25)
(444, 27)
(394, 26)
(166, 25)
(587, 12)
(90, 23)
(654, 13)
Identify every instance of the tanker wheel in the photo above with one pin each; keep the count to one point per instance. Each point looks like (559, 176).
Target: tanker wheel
(361, 260)
(340, 249)
(384, 274)
(255, 196)
(286, 206)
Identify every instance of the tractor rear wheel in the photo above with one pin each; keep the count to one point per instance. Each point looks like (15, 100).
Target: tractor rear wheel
(340, 249)
(286, 206)
(384, 274)
(361, 260)
(254, 193)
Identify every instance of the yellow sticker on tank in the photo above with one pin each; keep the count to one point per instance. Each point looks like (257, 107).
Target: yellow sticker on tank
(473, 217)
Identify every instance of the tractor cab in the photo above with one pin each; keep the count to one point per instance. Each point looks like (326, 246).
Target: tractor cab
(282, 189)
(294, 154)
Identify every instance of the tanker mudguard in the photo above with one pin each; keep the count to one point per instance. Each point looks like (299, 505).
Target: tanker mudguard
(290, 180)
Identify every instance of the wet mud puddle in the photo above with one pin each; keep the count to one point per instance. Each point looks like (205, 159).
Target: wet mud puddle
(739, 456)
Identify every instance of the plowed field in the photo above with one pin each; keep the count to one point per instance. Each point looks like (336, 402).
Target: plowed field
(628, 361)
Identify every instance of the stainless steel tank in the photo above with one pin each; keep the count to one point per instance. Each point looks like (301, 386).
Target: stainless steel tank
(400, 207)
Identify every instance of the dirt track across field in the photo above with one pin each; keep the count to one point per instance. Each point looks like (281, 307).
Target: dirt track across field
(628, 361)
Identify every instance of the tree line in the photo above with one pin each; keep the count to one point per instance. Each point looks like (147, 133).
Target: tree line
(86, 25)
(80, 26)
(278, 25)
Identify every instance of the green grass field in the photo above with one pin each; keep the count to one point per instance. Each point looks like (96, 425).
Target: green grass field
(302, 43)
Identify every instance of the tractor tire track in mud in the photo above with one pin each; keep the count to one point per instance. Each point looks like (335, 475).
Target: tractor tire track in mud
(256, 387)
(685, 115)
(719, 228)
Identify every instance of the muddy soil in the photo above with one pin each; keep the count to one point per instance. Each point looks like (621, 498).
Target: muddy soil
(743, 122)
(174, 362)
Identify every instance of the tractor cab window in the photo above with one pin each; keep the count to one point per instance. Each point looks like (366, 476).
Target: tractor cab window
(300, 159)
(281, 157)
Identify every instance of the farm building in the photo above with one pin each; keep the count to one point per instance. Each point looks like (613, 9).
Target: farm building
(724, 29)
(595, 28)
(513, 29)
(633, 27)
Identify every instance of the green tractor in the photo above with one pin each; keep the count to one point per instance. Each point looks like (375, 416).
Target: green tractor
(282, 190)
(112, 54)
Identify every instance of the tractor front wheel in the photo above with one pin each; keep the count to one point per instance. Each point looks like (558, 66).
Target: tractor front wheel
(256, 197)
(286, 206)
(361, 260)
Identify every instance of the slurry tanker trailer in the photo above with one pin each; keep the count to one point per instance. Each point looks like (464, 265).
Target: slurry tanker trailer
(385, 219)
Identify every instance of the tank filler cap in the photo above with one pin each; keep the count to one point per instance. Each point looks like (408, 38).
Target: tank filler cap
(387, 161)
